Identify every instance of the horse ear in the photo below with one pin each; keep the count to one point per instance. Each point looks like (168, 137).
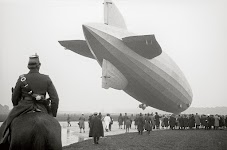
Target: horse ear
(12, 89)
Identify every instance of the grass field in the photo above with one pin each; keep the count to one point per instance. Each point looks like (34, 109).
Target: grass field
(159, 140)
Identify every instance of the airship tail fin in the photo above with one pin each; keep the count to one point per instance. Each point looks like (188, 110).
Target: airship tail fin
(112, 77)
(112, 15)
(144, 45)
(77, 46)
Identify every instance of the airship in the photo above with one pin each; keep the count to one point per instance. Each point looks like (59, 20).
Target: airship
(133, 63)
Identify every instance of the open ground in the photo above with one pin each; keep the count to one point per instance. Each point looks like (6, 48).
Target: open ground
(159, 140)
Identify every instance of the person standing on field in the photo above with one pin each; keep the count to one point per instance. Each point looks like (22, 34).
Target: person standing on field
(81, 122)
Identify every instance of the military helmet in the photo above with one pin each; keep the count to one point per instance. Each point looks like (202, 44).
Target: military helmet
(33, 62)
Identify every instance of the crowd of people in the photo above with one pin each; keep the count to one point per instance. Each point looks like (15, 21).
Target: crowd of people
(183, 121)
(150, 121)
(195, 121)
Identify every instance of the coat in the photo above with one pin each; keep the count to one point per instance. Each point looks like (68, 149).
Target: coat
(81, 122)
(96, 129)
(125, 118)
(148, 123)
(216, 121)
(197, 120)
(120, 120)
(153, 120)
(191, 121)
(166, 122)
(157, 120)
(128, 123)
(172, 121)
(141, 123)
(39, 84)
(185, 121)
(181, 121)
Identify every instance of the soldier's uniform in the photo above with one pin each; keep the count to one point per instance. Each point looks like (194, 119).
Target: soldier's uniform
(40, 85)
(29, 95)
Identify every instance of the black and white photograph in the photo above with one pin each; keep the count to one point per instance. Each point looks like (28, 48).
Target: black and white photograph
(113, 74)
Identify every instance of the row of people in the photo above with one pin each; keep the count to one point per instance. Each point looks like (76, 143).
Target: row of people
(201, 121)
(183, 121)
(149, 121)
(127, 120)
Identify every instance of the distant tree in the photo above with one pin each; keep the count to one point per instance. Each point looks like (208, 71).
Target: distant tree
(4, 109)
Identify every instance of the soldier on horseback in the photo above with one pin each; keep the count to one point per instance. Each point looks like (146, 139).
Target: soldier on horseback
(29, 95)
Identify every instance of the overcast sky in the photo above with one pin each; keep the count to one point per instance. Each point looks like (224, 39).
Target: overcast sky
(193, 33)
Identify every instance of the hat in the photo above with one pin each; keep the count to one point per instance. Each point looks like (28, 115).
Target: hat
(33, 61)
(95, 113)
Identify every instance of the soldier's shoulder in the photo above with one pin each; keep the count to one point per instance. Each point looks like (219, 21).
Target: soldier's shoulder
(22, 75)
(44, 75)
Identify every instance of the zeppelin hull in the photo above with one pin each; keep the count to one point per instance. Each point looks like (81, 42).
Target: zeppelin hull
(157, 82)
(133, 63)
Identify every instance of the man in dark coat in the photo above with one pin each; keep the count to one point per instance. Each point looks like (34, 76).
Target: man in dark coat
(191, 121)
(172, 121)
(210, 121)
(125, 119)
(185, 121)
(157, 120)
(148, 123)
(181, 122)
(29, 95)
(166, 122)
(120, 121)
(96, 129)
(141, 123)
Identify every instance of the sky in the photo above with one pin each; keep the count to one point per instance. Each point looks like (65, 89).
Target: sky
(193, 33)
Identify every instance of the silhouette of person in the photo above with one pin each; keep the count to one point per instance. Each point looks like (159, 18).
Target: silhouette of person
(29, 95)
(68, 120)
(96, 129)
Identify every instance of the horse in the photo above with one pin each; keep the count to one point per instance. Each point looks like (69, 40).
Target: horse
(35, 131)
